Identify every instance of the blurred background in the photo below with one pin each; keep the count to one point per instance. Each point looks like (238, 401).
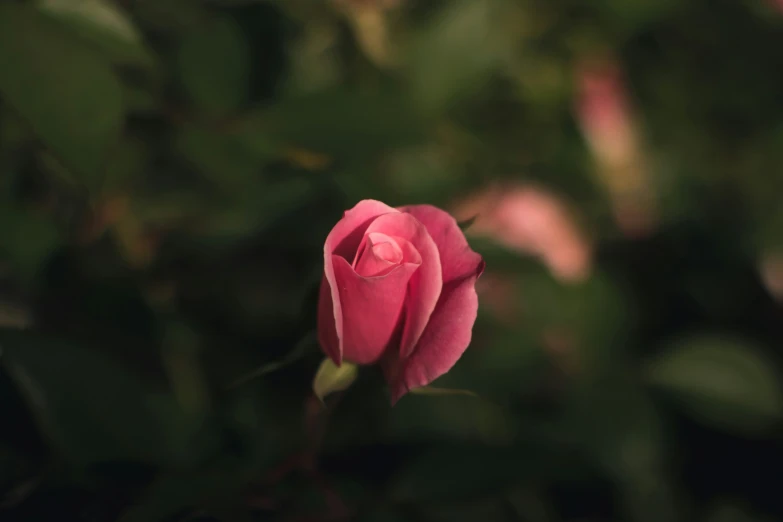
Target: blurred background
(169, 170)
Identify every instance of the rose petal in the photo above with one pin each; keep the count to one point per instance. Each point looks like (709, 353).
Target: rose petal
(372, 308)
(343, 241)
(443, 342)
(327, 333)
(378, 254)
(449, 330)
(425, 285)
(456, 257)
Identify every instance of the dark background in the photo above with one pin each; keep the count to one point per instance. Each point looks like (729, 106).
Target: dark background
(169, 170)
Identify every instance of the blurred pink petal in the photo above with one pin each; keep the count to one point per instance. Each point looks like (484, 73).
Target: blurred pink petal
(771, 270)
(606, 117)
(531, 220)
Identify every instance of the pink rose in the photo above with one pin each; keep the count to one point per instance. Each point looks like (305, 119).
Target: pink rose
(398, 289)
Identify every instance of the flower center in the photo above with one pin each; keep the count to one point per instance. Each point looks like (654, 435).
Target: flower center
(377, 255)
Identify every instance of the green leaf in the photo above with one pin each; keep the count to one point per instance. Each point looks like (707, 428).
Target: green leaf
(28, 240)
(724, 381)
(457, 53)
(68, 95)
(214, 66)
(331, 378)
(227, 159)
(299, 351)
(87, 405)
(104, 26)
(464, 225)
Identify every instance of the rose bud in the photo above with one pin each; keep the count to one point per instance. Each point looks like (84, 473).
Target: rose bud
(398, 290)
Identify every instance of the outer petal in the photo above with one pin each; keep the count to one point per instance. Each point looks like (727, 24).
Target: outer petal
(425, 286)
(456, 257)
(343, 241)
(450, 327)
(372, 307)
(327, 332)
(445, 339)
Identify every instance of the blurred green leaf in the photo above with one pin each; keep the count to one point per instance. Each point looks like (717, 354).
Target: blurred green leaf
(172, 494)
(615, 422)
(88, 406)
(228, 159)
(175, 16)
(423, 173)
(729, 513)
(734, 512)
(593, 316)
(214, 65)
(103, 25)
(180, 352)
(458, 471)
(28, 239)
(452, 417)
(722, 380)
(531, 505)
(457, 52)
(140, 99)
(638, 15)
(253, 211)
(348, 123)
(65, 92)
(331, 378)
(314, 58)
(127, 163)
(503, 362)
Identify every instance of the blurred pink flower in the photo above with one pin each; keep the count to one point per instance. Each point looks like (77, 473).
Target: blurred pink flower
(604, 114)
(606, 117)
(531, 220)
(771, 271)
